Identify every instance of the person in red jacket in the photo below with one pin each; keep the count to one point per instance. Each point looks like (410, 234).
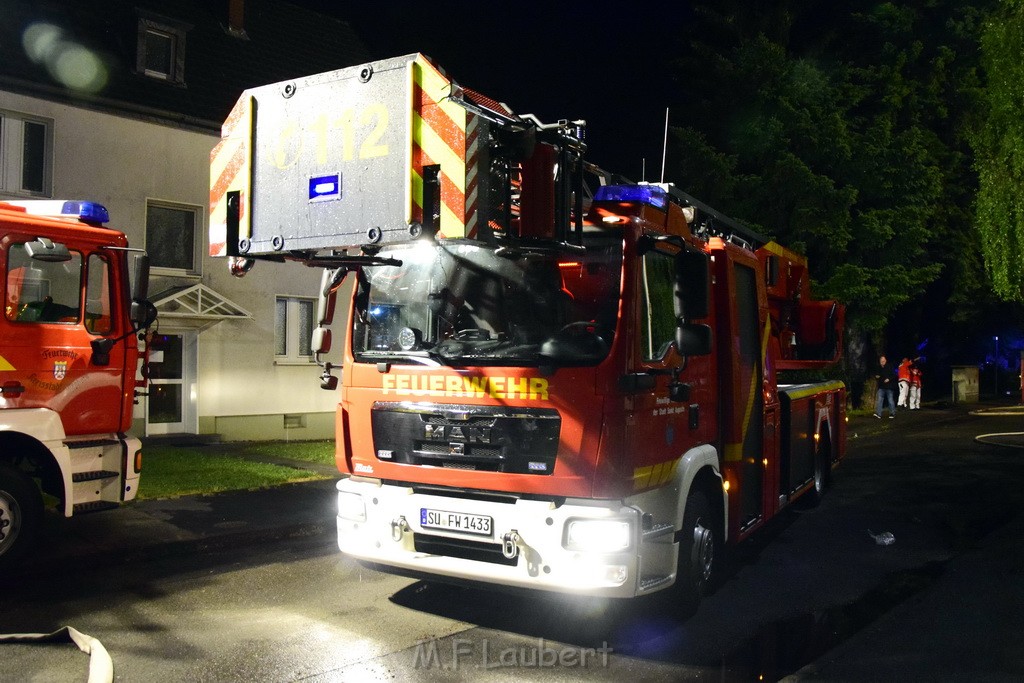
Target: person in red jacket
(915, 387)
(903, 375)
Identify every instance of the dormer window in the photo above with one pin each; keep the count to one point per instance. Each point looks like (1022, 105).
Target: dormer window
(161, 48)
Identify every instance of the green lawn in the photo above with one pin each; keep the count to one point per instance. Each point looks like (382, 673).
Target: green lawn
(169, 471)
(311, 451)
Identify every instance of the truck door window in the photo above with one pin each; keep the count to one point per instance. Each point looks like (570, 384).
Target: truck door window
(657, 313)
(39, 291)
(97, 298)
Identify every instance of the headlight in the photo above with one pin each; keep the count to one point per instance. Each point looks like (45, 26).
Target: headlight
(351, 506)
(598, 535)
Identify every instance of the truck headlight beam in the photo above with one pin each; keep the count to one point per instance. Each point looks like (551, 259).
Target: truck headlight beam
(598, 535)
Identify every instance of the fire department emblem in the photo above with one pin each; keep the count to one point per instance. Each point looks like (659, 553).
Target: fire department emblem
(60, 369)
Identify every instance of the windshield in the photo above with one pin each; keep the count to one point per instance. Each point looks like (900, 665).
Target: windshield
(464, 303)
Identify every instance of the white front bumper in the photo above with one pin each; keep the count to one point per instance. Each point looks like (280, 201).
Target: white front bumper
(391, 520)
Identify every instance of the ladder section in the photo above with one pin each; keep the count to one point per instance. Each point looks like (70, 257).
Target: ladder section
(97, 479)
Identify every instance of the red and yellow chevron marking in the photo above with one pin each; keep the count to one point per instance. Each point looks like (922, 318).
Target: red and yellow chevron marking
(438, 137)
(230, 169)
(734, 451)
(472, 171)
(5, 364)
(654, 475)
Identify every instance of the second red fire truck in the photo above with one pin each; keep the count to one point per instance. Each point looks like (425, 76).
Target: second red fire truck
(74, 299)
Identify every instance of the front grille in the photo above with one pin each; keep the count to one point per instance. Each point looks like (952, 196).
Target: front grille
(485, 438)
(443, 420)
(461, 548)
(429, 448)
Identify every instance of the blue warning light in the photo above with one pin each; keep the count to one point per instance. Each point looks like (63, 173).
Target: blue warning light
(325, 187)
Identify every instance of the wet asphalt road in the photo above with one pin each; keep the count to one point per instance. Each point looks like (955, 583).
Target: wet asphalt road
(813, 597)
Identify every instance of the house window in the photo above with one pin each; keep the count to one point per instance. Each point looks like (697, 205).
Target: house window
(171, 236)
(293, 329)
(26, 152)
(161, 49)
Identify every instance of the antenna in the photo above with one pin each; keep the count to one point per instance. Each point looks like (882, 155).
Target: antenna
(664, 147)
(643, 169)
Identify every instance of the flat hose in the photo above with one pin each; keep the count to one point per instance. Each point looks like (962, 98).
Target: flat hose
(101, 667)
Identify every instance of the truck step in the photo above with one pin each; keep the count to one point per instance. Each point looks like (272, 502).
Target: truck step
(93, 475)
(93, 506)
(649, 583)
(659, 531)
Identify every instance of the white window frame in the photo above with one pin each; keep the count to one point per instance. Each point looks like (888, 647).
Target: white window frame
(293, 332)
(175, 31)
(12, 146)
(197, 235)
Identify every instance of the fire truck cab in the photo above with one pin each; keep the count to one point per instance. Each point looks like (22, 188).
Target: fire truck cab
(68, 362)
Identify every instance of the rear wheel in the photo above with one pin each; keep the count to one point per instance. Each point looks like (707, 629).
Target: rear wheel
(699, 551)
(822, 472)
(21, 511)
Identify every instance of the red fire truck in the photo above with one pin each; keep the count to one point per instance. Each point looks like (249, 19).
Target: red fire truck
(68, 362)
(551, 378)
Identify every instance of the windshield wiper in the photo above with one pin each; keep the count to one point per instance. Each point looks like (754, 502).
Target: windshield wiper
(430, 357)
(540, 247)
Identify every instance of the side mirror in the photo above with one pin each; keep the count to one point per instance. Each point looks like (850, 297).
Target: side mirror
(327, 297)
(140, 277)
(101, 351)
(321, 341)
(42, 249)
(693, 339)
(143, 314)
(692, 285)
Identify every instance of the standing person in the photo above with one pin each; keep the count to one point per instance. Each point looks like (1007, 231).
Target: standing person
(903, 374)
(915, 386)
(885, 376)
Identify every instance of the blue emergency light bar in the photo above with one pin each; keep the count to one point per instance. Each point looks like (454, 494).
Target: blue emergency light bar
(652, 195)
(87, 212)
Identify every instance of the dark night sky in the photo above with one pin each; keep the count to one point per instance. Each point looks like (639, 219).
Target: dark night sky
(605, 62)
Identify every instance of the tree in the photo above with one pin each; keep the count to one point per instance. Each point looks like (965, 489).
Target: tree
(839, 129)
(999, 149)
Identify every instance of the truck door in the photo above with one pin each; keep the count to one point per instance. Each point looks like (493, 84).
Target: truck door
(749, 360)
(658, 427)
(53, 310)
(741, 383)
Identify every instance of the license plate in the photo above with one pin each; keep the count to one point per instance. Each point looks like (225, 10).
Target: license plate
(455, 521)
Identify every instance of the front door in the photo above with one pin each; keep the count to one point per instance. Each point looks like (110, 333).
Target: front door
(171, 378)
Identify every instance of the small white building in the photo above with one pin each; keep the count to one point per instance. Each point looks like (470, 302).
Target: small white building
(121, 103)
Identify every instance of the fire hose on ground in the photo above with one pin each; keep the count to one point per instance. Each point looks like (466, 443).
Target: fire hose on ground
(101, 666)
(993, 438)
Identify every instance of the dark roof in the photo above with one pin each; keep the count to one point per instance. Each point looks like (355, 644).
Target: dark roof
(281, 41)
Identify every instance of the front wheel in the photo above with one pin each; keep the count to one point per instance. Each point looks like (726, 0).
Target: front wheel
(21, 511)
(698, 549)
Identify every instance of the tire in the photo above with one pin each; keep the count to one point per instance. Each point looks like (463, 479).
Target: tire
(822, 474)
(21, 513)
(699, 550)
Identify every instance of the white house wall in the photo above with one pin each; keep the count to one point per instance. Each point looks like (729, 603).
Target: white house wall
(121, 162)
